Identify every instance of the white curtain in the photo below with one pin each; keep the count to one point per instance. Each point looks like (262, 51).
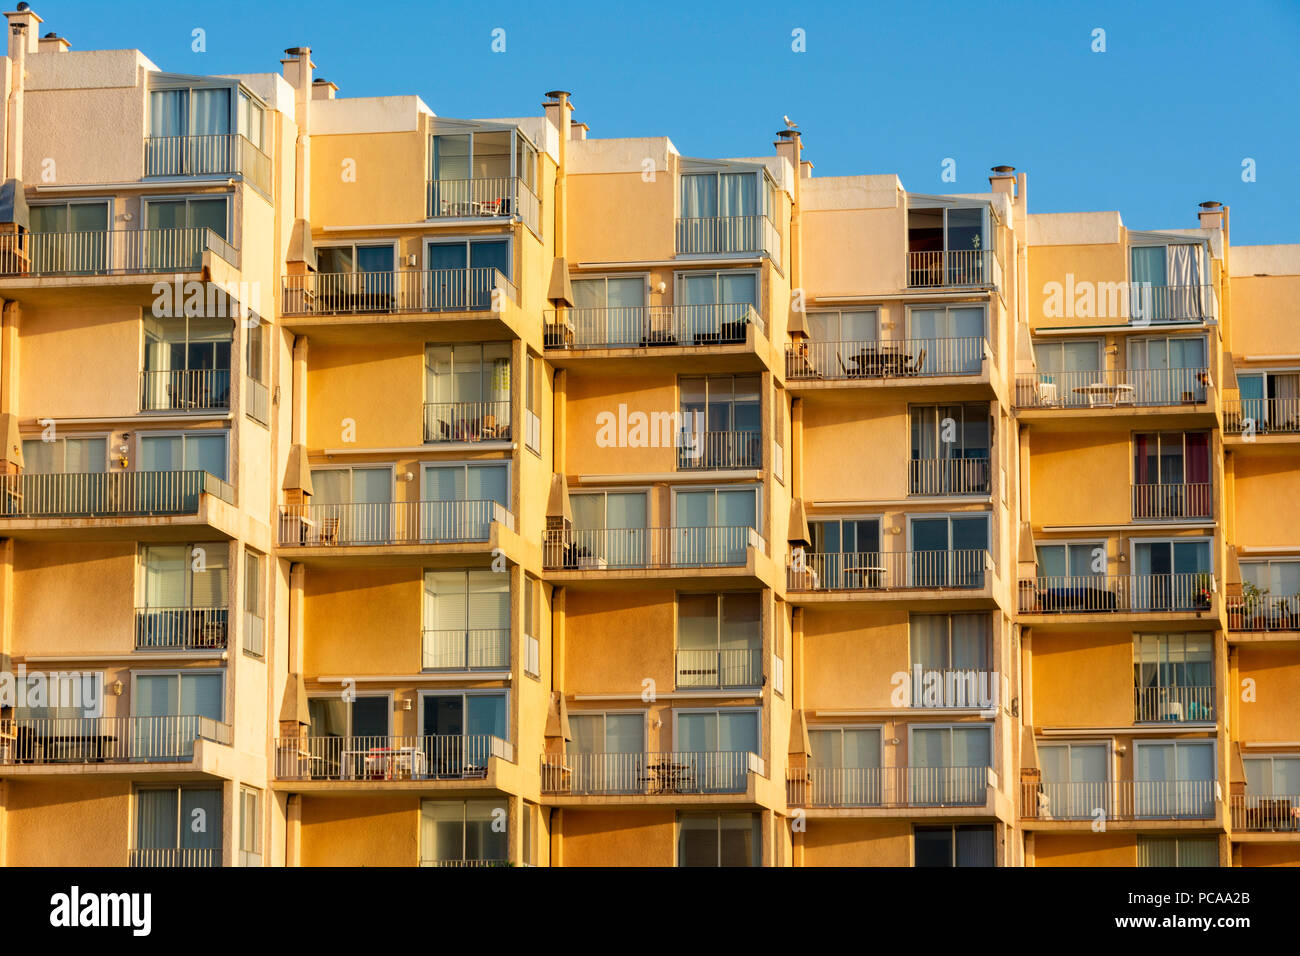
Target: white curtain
(1184, 283)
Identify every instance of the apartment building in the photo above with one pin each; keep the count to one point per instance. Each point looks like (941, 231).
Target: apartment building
(391, 489)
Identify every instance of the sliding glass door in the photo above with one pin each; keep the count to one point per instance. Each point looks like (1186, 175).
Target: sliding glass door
(713, 526)
(844, 768)
(353, 505)
(949, 765)
(1175, 779)
(948, 551)
(458, 729)
(714, 748)
(1076, 781)
(462, 273)
(609, 530)
(607, 753)
(459, 501)
(167, 708)
(1172, 575)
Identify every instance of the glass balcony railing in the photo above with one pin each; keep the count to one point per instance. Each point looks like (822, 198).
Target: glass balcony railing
(115, 494)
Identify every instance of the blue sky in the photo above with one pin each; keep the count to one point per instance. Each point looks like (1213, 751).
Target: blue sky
(1163, 119)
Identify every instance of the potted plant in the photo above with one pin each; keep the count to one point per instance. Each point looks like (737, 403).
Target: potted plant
(1252, 603)
(1203, 592)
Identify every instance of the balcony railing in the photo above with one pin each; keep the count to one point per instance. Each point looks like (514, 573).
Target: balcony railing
(185, 389)
(115, 494)
(465, 863)
(632, 774)
(254, 634)
(888, 787)
(389, 523)
(1262, 416)
(111, 252)
(603, 549)
(1095, 593)
(948, 476)
(942, 268)
(181, 628)
(1162, 704)
(721, 235)
(1262, 611)
(1171, 303)
(722, 667)
(444, 757)
(1277, 813)
(479, 289)
(888, 570)
(488, 197)
(905, 358)
(461, 649)
(466, 421)
(1168, 501)
(257, 402)
(709, 450)
(175, 857)
(1120, 800)
(41, 741)
(1113, 388)
(214, 154)
(650, 326)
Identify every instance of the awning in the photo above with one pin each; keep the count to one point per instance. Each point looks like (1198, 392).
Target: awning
(1229, 371)
(1028, 749)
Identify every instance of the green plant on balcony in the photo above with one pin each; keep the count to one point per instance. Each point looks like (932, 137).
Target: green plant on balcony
(1253, 604)
(1203, 589)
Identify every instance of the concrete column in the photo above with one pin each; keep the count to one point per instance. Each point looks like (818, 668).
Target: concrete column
(293, 831)
(10, 317)
(298, 410)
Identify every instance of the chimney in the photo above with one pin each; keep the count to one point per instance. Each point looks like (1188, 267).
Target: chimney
(1211, 215)
(52, 43)
(805, 169)
(22, 41)
(790, 145)
(578, 131)
(297, 73)
(25, 16)
(323, 89)
(559, 111)
(1002, 179)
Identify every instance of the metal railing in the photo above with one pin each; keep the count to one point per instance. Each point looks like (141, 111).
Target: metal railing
(108, 494)
(899, 358)
(1193, 703)
(184, 389)
(111, 252)
(934, 687)
(1262, 416)
(181, 628)
(465, 863)
(477, 648)
(1192, 499)
(427, 757)
(1120, 800)
(888, 787)
(948, 476)
(1276, 813)
(647, 548)
(479, 289)
(389, 523)
(486, 197)
(466, 421)
(257, 403)
(212, 154)
(729, 234)
(888, 570)
(41, 741)
(648, 326)
(729, 449)
(1094, 593)
(721, 667)
(940, 268)
(1260, 612)
(254, 634)
(1157, 304)
(632, 774)
(1114, 388)
(175, 857)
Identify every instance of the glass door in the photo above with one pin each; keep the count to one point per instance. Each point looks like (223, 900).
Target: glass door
(845, 767)
(949, 765)
(611, 312)
(459, 501)
(1171, 575)
(948, 551)
(69, 239)
(713, 527)
(607, 753)
(458, 731)
(713, 750)
(353, 506)
(166, 712)
(178, 827)
(1175, 779)
(846, 554)
(1272, 794)
(1075, 784)
(945, 341)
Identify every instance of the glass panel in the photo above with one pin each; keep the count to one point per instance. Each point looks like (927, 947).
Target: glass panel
(200, 822)
(156, 819)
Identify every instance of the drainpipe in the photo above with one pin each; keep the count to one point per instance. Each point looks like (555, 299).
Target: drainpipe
(14, 111)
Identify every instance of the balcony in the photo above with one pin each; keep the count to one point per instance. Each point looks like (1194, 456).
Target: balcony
(1192, 704)
(940, 477)
(483, 198)
(482, 289)
(1261, 416)
(898, 359)
(1114, 388)
(601, 549)
(172, 857)
(648, 774)
(116, 494)
(379, 524)
(466, 863)
(446, 757)
(655, 326)
(1157, 304)
(181, 628)
(953, 268)
(460, 649)
(720, 668)
(1167, 502)
(1120, 593)
(729, 235)
(962, 569)
(466, 421)
(1277, 813)
(223, 154)
(1255, 610)
(185, 390)
(887, 787)
(117, 252)
(46, 741)
(1120, 800)
(706, 451)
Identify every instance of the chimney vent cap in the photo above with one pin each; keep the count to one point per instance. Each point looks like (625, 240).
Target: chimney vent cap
(788, 133)
(1003, 170)
(297, 50)
(24, 6)
(1211, 204)
(556, 94)
(50, 36)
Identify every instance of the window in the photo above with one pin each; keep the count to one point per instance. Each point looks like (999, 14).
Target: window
(1173, 676)
(946, 246)
(466, 620)
(946, 341)
(182, 225)
(68, 696)
(177, 826)
(1172, 574)
(609, 530)
(607, 753)
(467, 392)
(186, 363)
(610, 311)
(721, 422)
(942, 643)
(172, 709)
(532, 627)
(250, 827)
(462, 500)
(1174, 779)
(719, 641)
(462, 730)
(462, 273)
(191, 451)
(1076, 781)
(463, 833)
(856, 328)
(953, 846)
(949, 765)
(252, 120)
(1276, 602)
(844, 769)
(719, 839)
(712, 307)
(353, 505)
(1271, 400)
(1168, 369)
(720, 742)
(254, 605)
(183, 596)
(1171, 475)
(528, 842)
(1177, 851)
(193, 111)
(1272, 791)
(1066, 356)
(948, 550)
(58, 254)
(778, 452)
(374, 259)
(1167, 282)
(1074, 559)
(366, 715)
(713, 526)
(533, 399)
(65, 456)
(950, 450)
(778, 651)
(255, 343)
